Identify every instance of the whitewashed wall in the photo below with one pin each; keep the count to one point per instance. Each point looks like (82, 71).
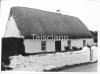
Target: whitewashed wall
(63, 44)
(89, 41)
(11, 28)
(79, 42)
(32, 46)
(50, 46)
(47, 61)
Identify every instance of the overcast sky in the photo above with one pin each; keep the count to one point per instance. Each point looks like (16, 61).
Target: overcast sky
(86, 10)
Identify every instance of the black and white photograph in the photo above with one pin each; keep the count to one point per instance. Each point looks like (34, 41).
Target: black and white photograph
(49, 35)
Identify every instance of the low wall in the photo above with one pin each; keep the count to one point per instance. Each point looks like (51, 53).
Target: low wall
(49, 61)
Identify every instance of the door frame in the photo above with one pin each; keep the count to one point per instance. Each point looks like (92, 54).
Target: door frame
(58, 46)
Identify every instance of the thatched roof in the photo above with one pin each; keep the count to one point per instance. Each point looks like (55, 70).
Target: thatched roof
(30, 21)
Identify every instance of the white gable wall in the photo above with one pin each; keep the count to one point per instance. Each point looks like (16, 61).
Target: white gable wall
(34, 46)
(11, 28)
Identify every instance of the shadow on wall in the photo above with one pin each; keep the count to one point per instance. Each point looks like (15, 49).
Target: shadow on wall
(10, 47)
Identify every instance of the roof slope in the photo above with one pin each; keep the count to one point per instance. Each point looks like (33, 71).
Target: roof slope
(30, 21)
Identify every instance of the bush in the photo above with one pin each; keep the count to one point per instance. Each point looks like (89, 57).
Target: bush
(88, 46)
(67, 48)
(75, 48)
(80, 48)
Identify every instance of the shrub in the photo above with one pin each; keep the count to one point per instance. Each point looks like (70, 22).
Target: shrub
(80, 48)
(67, 48)
(75, 48)
(88, 46)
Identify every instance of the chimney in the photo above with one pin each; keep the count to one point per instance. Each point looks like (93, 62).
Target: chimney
(58, 11)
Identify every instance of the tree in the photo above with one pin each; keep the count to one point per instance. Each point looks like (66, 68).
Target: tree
(95, 35)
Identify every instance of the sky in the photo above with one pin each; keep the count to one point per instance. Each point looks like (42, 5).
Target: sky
(88, 11)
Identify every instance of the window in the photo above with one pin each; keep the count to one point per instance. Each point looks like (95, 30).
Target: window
(43, 45)
(84, 42)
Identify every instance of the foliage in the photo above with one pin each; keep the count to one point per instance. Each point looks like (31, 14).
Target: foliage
(95, 35)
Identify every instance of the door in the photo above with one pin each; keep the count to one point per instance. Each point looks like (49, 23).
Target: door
(69, 44)
(84, 43)
(58, 46)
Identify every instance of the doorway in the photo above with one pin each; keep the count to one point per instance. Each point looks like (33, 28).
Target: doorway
(58, 46)
(84, 43)
(69, 44)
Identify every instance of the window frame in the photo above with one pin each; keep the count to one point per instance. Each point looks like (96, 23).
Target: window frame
(43, 45)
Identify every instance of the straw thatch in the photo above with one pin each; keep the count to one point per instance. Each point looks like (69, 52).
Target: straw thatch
(30, 21)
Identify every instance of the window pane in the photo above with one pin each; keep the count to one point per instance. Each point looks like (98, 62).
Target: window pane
(43, 43)
(43, 48)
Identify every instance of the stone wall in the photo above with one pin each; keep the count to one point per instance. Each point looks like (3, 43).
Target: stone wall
(49, 61)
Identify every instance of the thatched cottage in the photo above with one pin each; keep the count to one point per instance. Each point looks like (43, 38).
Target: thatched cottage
(44, 31)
